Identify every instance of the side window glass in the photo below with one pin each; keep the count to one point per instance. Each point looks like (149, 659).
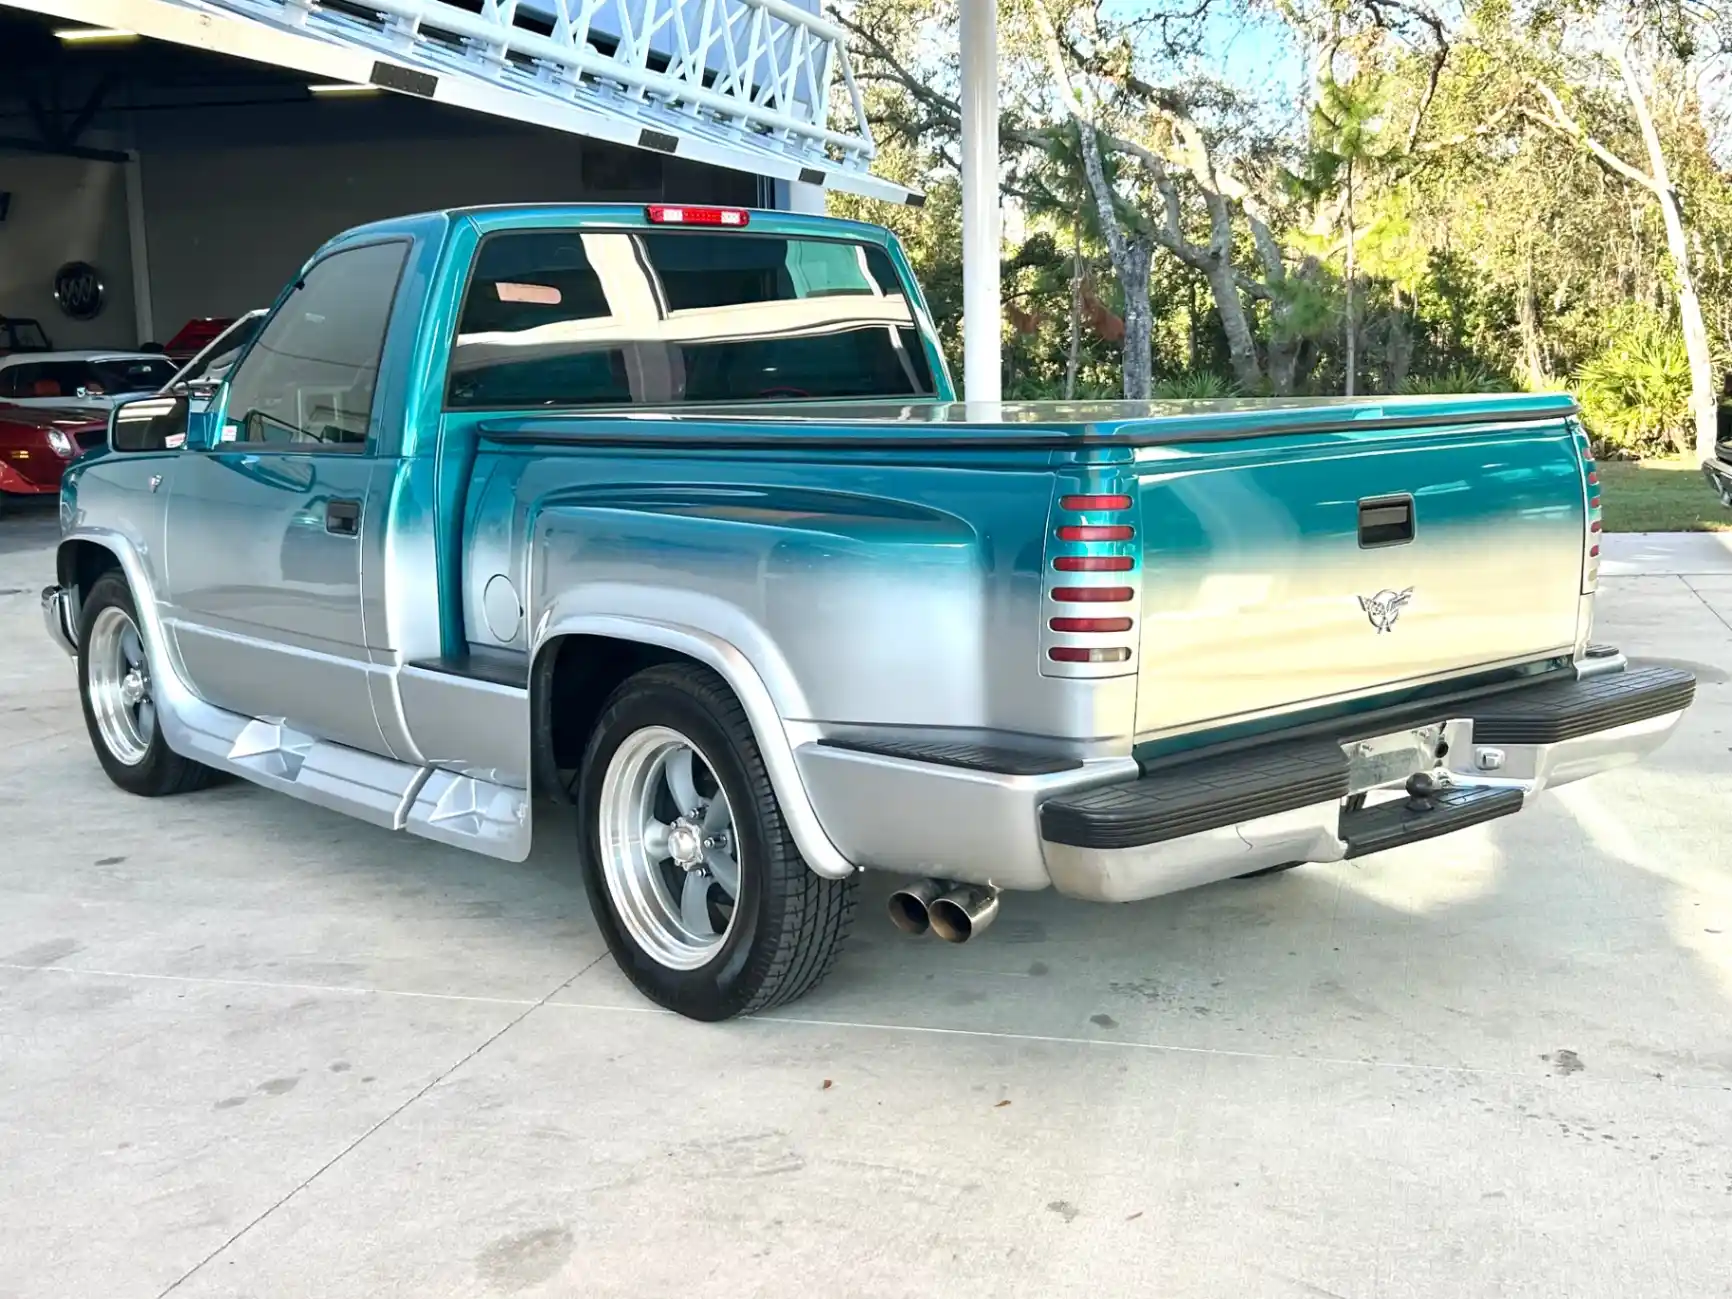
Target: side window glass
(309, 381)
(9, 380)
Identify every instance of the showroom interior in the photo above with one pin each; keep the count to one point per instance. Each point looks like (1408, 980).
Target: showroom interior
(195, 183)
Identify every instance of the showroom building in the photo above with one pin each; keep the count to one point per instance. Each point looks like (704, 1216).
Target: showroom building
(187, 157)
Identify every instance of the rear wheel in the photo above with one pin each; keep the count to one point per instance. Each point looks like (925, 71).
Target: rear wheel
(114, 683)
(700, 891)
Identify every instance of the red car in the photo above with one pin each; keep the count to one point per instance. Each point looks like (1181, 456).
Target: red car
(194, 336)
(37, 444)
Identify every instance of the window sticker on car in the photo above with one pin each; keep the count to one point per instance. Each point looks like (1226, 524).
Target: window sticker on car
(544, 295)
(231, 432)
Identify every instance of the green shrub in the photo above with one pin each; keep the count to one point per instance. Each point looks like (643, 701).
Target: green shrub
(1462, 377)
(1193, 385)
(1635, 393)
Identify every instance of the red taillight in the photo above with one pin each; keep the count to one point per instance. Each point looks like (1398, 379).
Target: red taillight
(1593, 552)
(1075, 654)
(1594, 526)
(1593, 477)
(668, 214)
(1094, 502)
(1593, 502)
(1094, 532)
(1090, 624)
(1092, 594)
(1092, 563)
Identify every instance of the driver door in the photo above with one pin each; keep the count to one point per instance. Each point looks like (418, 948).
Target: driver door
(264, 529)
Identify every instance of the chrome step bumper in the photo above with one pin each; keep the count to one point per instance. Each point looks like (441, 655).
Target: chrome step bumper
(1110, 830)
(1285, 802)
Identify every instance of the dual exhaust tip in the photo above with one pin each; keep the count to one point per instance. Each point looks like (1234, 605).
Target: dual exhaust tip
(955, 912)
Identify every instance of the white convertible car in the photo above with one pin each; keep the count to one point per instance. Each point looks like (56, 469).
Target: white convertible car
(89, 378)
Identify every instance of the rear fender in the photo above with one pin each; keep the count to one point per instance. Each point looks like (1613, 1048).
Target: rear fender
(714, 634)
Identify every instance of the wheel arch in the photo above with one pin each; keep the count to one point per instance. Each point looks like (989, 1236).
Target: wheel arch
(80, 561)
(578, 661)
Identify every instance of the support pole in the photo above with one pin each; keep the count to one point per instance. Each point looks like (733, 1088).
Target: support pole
(981, 358)
(139, 246)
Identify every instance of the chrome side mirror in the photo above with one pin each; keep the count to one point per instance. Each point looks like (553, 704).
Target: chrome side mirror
(152, 423)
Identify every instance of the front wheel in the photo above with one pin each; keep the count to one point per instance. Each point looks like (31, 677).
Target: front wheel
(114, 683)
(700, 891)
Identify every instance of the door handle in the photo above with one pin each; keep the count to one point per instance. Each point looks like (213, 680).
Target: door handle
(343, 518)
(1385, 521)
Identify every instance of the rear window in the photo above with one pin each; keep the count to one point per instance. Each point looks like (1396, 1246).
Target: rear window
(85, 378)
(608, 318)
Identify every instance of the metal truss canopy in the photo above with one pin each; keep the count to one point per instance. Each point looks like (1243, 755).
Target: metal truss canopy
(741, 84)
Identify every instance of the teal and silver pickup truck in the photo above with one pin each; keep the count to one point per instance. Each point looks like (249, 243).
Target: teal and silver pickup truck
(672, 513)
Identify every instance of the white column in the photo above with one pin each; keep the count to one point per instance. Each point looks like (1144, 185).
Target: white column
(140, 249)
(980, 211)
(795, 196)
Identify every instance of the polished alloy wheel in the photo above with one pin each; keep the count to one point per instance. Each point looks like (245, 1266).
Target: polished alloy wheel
(669, 852)
(118, 676)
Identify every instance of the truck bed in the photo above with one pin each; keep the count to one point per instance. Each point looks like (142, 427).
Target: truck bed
(1250, 578)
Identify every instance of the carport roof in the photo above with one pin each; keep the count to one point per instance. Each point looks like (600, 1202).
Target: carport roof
(740, 84)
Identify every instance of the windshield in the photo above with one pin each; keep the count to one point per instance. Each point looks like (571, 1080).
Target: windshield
(590, 318)
(23, 336)
(102, 378)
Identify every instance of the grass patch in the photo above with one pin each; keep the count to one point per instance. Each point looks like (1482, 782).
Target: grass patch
(1660, 496)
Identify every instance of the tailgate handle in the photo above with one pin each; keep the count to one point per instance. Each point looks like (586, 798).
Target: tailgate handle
(1386, 521)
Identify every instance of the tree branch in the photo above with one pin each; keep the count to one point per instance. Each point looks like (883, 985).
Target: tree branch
(1082, 109)
(1557, 119)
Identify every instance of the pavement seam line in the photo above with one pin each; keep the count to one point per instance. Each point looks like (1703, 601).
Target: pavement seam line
(1691, 586)
(1131, 1044)
(343, 1153)
(290, 987)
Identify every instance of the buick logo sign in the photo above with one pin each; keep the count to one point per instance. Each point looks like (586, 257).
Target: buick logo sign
(79, 290)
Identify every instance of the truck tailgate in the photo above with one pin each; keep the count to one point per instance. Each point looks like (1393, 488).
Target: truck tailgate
(1281, 574)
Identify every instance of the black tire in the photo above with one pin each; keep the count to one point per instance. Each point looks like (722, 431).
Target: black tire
(160, 771)
(790, 923)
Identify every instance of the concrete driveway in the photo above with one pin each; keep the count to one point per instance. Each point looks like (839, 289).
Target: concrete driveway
(250, 1048)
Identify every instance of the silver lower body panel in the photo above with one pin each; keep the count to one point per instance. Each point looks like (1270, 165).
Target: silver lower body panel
(918, 818)
(464, 810)
(426, 801)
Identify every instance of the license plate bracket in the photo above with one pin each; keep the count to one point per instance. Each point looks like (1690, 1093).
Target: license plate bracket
(1380, 760)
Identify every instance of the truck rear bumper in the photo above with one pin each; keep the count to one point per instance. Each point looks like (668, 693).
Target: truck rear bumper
(1109, 832)
(1719, 476)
